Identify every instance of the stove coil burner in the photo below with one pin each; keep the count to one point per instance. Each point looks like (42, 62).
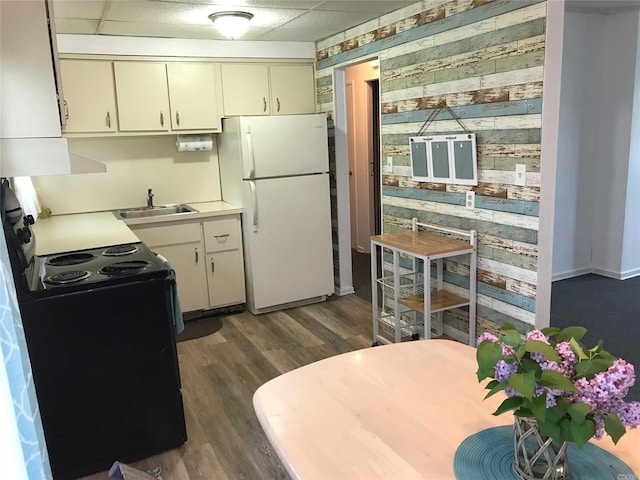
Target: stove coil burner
(124, 268)
(65, 278)
(70, 259)
(120, 250)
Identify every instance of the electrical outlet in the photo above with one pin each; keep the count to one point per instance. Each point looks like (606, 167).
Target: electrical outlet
(521, 174)
(470, 201)
(388, 168)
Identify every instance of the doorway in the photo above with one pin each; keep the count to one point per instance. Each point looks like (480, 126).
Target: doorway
(363, 140)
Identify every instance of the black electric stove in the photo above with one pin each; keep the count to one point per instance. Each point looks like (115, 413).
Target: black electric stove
(100, 333)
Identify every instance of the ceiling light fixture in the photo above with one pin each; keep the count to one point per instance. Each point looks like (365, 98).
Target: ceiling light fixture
(231, 24)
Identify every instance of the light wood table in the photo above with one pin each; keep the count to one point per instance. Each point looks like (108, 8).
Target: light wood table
(394, 411)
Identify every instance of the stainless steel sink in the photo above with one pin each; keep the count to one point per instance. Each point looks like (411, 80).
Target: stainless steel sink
(160, 210)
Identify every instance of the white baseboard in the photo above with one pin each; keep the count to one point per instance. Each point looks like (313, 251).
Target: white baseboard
(570, 274)
(598, 271)
(340, 291)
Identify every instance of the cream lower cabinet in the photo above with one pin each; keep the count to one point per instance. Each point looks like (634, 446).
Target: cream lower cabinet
(206, 256)
(225, 265)
(259, 89)
(90, 97)
(181, 244)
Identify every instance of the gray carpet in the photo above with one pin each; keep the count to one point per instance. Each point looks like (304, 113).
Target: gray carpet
(609, 309)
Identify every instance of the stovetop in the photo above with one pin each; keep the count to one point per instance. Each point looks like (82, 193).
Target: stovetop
(80, 270)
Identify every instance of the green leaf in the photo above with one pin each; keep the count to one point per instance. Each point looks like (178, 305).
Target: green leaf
(581, 433)
(507, 326)
(539, 407)
(550, 331)
(555, 414)
(526, 364)
(568, 333)
(579, 412)
(509, 404)
(487, 354)
(541, 347)
(497, 387)
(614, 427)
(550, 428)
(524, 383)
(524, 412)
(577, 349)
(553, 379)
(588, 368)
(511, 338)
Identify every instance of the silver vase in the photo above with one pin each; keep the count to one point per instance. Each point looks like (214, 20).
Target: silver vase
(536, 456)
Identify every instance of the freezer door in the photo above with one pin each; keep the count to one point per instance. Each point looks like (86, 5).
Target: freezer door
(288, 250)
(284, 145)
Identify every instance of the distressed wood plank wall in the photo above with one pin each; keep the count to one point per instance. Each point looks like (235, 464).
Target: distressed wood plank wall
(485, 59)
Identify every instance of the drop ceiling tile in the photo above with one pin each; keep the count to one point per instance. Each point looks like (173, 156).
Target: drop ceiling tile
(295, 35)
(333, 21)
(240, 4)
(369, 7)
(75, 9)
(79, 26)
(168, 31)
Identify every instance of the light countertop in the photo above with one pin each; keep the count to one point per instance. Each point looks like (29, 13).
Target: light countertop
(81, 231)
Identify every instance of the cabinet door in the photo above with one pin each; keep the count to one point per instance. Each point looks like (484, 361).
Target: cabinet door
(142, 96)
(225, 277)
(193, 96)
(90, 96)
(292, 89)
(245, 89)
(188, 261)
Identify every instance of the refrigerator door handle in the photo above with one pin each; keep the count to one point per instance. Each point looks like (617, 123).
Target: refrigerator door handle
(252, 158)
(254, 204)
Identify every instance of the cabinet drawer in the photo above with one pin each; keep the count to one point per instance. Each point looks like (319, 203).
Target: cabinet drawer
(221, 234)
(169, 234)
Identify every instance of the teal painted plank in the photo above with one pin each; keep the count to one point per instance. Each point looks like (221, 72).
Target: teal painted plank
(511, 136)
(507, 232)
(489, 203)
(459, 20)
(427, 217)
(494, 109)
(324, 81)
(426, 195)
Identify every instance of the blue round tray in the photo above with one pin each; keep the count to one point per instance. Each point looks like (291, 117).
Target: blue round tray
(488, 455)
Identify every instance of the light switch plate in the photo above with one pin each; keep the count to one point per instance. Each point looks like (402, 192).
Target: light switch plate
(470, 200)
(521, 174)
(388, 168)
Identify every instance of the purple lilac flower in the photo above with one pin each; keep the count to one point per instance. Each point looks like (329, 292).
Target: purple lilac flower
(487, 336)
(629, 414)
(504, 370)
(568, 359)
(599, 419)
(507, 350)
(511, 392)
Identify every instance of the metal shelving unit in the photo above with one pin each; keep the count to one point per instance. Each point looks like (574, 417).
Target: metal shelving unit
(406, 311)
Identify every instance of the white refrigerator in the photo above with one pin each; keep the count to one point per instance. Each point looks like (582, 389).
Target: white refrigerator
(276, 168)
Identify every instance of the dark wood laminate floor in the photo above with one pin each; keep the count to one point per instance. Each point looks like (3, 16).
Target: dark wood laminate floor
(221, 372)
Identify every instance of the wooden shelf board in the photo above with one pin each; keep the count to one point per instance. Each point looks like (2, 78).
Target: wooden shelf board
(440, 300)
(423, 244)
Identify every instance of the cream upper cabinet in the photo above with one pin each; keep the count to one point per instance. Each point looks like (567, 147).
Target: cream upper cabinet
(292, 89)
(194, 96)
(245, 89)
(90, 98)
(142, 96)
(268, 89)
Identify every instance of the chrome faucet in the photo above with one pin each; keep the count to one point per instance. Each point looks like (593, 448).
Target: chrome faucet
(149, 199)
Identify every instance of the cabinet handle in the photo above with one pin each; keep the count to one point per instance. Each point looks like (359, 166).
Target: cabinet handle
(177, 119)
(108, 119)
(213, 266)
(224, 235)
(66, 110)
(196, 255)
(264, 103)
(278, 101)
(161, 119)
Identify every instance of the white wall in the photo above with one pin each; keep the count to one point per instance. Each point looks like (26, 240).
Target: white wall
(576, 146)
(595, 149)
(134, 164)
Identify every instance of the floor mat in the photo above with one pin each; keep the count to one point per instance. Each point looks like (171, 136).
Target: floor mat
(199, 328)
